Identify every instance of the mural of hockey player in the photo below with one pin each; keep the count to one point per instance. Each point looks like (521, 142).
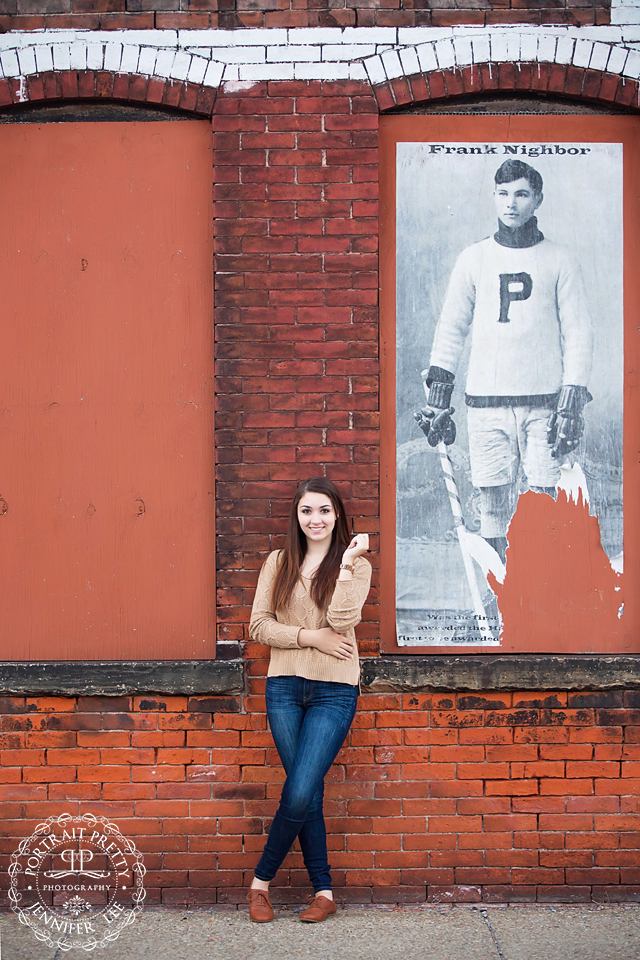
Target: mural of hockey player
(522, 300)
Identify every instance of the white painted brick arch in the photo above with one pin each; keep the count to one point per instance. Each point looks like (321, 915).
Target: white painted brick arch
(376, 54)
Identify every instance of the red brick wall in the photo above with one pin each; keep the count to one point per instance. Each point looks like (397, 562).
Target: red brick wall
(452, 796)
(469, 797)
(296, 317)
(231, 14)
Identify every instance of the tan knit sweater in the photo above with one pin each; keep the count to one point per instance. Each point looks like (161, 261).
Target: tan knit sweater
(280, 631)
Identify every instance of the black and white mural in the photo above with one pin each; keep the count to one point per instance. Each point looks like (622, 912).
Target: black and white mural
(509, 363)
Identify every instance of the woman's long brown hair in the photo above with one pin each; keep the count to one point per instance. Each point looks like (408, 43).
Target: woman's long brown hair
(295, 548)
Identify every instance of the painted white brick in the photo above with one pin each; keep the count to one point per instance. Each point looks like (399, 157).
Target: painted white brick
(164, 62)
(95, 56)
(51, 36)
(632, 66)
(10, 65)
(445, 54)
(582, 53)
(392, 65)
(513, 46)
(147, 61)
(232, 38)
(266, 71)
(316, 35)
(347, 52)
(375, 70)
(564, 50)
(239, 54)
(232, 73)
(112, 56)
(197, 69)
(481, 49)
(630, 33)
(291, 54)
(180, 68)
(369, 35)
(193, 39)
(9, 41)
(357, 72)
(61, 56)
(499, 48)
(27, 60)
(624, 15)
(528, 47)
(463, 51)
(604, 34)
(617, 60)
(147, 38)
(198, 51)
(599, 56)
(129, 62)
(267, 38)
(547, 49)
(44, 59)
(236, 86)
(321, 71)
(416, 35)
(78, 55)
(409, 60)
(427, 57)
(214, 74)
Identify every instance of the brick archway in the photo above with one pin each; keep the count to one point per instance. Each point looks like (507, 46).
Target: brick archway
(104, 85)
(550, 79)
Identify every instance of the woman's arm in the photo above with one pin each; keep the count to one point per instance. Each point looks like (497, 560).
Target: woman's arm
(263, 625)
(349, 596)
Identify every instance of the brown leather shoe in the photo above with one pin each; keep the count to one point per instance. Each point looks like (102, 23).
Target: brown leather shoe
(319, 909)
(260, 909)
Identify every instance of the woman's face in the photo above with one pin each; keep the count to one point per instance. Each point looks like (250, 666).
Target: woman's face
(317, 518)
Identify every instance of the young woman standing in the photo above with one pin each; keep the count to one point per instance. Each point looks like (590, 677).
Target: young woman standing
(308, 600)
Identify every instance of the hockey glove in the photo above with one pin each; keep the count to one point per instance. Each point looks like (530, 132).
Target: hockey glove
(566, 424)
(435, 419)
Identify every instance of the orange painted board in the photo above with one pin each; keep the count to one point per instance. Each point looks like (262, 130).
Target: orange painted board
(560, 593)
(106, 391)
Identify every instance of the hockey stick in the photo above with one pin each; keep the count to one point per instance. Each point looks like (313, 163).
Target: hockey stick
(472, 546)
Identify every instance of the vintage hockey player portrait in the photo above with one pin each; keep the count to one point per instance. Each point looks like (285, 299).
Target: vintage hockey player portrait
(509, 364)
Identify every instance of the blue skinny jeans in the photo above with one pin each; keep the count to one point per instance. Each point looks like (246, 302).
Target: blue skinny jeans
(309, 720)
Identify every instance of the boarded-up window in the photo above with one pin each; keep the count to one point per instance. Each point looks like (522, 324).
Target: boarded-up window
(106, 384)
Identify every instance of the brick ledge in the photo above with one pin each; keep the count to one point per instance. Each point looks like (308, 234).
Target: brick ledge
(387, 673)
(114, 678)
(494, 672)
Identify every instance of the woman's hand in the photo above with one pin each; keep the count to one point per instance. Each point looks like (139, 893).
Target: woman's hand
(328, 641)
(358, 546)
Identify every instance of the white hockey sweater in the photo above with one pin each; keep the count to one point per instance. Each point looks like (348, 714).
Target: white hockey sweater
(527, 312)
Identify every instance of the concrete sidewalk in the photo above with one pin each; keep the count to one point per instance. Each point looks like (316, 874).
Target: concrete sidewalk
(534, 932)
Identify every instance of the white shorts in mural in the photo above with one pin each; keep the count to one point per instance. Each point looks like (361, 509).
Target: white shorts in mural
(503, 438)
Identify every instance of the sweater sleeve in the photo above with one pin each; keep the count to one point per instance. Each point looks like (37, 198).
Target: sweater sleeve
(456, 316)
(263, 626)
(575, 325)
(345, 609)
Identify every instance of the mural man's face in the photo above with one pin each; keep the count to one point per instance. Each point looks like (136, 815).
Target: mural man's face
(516, 202)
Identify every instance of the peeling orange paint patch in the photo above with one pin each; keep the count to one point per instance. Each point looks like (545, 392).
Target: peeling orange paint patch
(560, 593)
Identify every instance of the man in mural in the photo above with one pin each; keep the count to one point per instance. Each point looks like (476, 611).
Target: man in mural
(522, 298)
